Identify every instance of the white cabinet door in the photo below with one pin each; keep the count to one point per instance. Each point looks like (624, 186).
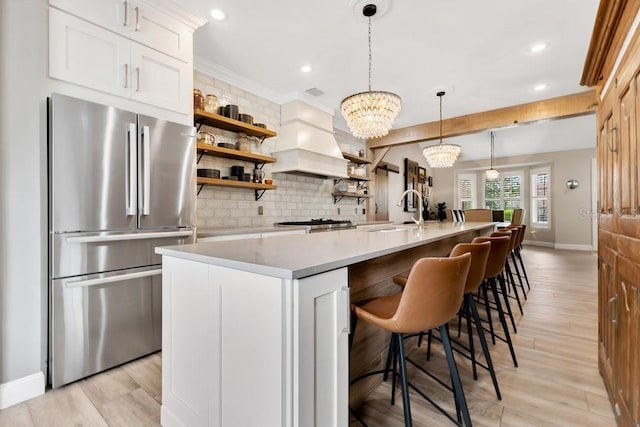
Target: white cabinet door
(137, 20)
(160, 31)
(160, 80)
(114, 15)
(321, 380)
(90, 56)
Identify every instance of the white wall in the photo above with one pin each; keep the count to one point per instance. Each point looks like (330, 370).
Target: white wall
(570, 227)
(23, 223)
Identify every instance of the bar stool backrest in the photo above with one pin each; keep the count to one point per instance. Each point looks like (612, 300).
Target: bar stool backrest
(516, 217)
(498, 254)
(478, 215)
(479, 256)
(433, 293)
(513, 235)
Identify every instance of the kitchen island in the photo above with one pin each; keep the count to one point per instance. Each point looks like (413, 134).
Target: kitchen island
(255, 331)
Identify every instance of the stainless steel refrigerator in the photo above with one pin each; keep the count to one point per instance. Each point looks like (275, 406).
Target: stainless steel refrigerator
(120, 184)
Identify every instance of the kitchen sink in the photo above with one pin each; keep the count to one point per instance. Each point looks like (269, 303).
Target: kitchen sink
(391, 228)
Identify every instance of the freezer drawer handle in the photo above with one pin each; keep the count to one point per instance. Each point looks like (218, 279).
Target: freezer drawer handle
(132, 236)
(112, 279)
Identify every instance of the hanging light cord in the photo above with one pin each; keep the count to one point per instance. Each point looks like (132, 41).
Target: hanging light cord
(369, 54)
(492, 136)
(440, 94)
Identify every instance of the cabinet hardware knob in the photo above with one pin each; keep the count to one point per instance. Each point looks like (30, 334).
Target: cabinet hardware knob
(126, 12)
(126, 76)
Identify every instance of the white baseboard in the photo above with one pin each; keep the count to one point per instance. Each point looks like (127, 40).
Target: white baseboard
(537, 243)
(563, 246)
(22, 389)
(572, 247)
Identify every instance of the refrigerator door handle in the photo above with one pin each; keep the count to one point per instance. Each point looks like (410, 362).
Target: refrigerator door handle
(146, 171)
(131, 170)
(111, 279)
(129, 236)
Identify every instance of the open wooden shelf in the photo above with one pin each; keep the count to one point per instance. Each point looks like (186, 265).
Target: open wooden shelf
(359, 178)
(230, 153)
(235, 184)
(355, 159)
(222, 122)
(361, 197)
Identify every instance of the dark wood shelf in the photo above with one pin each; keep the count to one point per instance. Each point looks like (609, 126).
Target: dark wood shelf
(222, 122)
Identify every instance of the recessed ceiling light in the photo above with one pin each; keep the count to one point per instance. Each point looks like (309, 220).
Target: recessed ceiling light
(538, 47)
(217, 14)
(541, 86)
(305, 68)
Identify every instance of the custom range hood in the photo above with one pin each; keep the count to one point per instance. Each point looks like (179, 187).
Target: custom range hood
(306, 144)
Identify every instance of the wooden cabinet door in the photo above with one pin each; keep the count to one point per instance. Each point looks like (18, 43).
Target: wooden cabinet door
(627, 358)
(606, 166)
(608, 306)
(90, 56)
(626, 152)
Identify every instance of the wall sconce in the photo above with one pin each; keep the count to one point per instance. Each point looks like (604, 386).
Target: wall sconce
(572, 184)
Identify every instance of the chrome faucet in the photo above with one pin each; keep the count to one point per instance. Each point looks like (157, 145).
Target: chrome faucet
(419, 221)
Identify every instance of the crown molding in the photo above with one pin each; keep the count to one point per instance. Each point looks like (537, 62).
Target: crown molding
(170, 8)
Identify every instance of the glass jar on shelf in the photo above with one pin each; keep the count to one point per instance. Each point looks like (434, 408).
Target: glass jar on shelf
(198, 100)
(243, 143)
(211, 103)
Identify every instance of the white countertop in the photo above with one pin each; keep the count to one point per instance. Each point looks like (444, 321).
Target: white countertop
(211, 232)
(298, 256)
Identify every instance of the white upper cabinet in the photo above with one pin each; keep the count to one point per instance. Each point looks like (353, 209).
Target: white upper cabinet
(158, 30)
(160, 80)
(88, 56)
(136, 20)
(113, 15)
(124, 48)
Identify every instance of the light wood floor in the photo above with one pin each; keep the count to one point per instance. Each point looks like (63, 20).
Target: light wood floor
(556, 384)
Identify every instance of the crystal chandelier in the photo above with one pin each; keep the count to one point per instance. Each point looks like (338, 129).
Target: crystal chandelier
(491, 173)
(370, 114)
(441, 155)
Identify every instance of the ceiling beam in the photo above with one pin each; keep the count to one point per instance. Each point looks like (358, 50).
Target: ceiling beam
(563, 107)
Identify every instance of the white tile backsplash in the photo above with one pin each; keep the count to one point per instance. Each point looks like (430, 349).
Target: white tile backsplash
(296, 198)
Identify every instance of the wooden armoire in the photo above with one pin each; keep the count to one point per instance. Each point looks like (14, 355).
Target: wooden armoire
(613, 67)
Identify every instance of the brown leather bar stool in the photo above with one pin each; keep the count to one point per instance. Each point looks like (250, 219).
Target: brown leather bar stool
(519, 231)
(479, 257)
(495, 265)
(431, 297)
(518, 253)
(508, 273)
(504, 283)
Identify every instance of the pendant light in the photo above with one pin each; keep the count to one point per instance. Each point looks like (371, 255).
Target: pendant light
(441, 155)
(491, 173)
(370, 114)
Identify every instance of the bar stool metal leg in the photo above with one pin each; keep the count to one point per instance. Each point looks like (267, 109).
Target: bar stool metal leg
(503, 321)
(483, 343)
(455, 377)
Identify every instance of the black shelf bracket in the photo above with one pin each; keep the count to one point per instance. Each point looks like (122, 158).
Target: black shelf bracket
(200, 123)
(200, 157)
(199, 189)
(336, 199)
(259, 194)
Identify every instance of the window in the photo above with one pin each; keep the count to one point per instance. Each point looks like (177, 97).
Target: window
(504, 193)
(466, 191)
(540, 197)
